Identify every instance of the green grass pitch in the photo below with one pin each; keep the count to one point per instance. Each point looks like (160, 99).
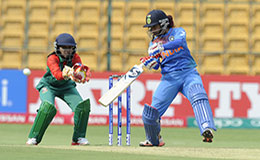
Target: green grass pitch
(181, 143)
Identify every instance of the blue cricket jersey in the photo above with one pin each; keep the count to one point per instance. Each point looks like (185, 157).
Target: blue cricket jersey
(176, 55)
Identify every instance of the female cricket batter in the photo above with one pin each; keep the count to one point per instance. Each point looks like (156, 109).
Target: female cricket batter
(178, 75)
(59, 82)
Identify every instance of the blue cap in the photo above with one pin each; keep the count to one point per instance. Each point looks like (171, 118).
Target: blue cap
(153, 17)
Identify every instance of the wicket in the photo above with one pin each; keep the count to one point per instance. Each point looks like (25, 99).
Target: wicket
(119, 115)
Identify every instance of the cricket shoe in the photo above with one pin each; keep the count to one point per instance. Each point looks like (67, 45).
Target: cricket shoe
(207, 135)
(31, 141)
(80, 142)
(147, 143)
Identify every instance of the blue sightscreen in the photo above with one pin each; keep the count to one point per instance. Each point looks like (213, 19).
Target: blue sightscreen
(13, 91)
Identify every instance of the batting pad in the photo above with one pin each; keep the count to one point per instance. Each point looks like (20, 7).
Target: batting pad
(201, 107)
(44, 117)
(151, 124)
(81, 116)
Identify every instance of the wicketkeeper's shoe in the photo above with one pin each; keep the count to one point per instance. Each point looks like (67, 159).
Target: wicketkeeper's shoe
(80, 142)
(31, 141)
(147, 143)
(207, 135)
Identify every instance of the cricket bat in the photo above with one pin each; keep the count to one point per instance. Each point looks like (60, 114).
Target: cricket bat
(121, 85)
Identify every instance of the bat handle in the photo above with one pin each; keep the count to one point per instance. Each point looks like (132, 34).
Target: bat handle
(141, 65)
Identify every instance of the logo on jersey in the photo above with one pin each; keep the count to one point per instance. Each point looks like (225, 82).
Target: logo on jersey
(148, 19)
(44, 90)
(168, 53)
(171, 38)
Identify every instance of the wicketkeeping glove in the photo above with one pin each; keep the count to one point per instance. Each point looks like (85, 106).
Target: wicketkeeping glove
(75, 77)
(67, 72)
(155, 49)
(149, 62)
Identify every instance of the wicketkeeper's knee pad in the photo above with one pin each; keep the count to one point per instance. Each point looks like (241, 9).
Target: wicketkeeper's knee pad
(201, 108)
(81, 116)
(151, 124)
(43, 118)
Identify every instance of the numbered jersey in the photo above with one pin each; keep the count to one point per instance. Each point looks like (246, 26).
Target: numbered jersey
(176, 55)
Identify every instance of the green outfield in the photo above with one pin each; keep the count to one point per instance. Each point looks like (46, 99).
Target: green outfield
(181, 143)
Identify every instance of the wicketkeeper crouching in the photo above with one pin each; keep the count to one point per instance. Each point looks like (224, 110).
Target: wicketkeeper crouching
(64, 68)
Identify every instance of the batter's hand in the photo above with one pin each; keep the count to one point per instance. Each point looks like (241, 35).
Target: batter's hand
(155, 49)
(149, 62)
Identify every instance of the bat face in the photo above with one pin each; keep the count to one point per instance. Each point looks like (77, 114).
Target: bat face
(121, 85)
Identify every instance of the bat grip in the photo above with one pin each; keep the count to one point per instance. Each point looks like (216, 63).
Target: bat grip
(141, 65)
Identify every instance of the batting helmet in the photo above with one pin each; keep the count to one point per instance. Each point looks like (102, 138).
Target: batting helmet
(65, 39)
(157, 17)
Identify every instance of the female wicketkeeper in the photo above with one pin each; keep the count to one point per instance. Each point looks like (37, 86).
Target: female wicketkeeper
(59, 81)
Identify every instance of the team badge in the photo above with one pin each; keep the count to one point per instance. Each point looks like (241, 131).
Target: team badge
(171, 38)
(44, 90)
(148, 19)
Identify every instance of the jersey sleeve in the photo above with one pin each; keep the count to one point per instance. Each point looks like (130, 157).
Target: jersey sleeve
(53, 64)
(179, 40)
(76, 59)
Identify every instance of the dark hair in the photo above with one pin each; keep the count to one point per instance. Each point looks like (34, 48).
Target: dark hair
(170, 21)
